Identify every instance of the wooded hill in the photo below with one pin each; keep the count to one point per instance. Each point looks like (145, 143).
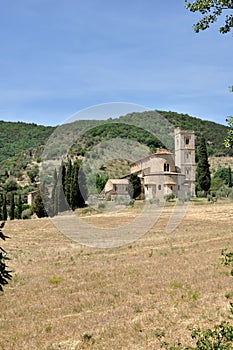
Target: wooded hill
(21, 144)
(214, 133)
(20, 137)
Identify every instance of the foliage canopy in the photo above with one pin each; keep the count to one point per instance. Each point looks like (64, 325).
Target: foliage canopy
(211, 11)
(229, 139)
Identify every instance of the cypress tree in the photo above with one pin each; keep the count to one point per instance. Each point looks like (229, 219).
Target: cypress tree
(78, 187)
(1, 207)
(38, 206)
(134, 186)
(63, 174)
(54, 209)
(60, 200)
(203, 167)
(12, 206)
(68, 180)
(45, 198)
(74, 187)
(4, 209)
(229, 177)
(20, 209)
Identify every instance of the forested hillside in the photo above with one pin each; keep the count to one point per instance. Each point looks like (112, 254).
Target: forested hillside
(108, 131)
(136, 126)
(214, 133)
(20, 137)
(22, 143)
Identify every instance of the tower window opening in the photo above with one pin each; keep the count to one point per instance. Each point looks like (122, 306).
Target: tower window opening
(166, 167)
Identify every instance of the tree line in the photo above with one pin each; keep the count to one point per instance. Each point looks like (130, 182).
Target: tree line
(10, 208)
(69, 191)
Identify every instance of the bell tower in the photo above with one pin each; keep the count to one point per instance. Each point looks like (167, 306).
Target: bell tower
(185, 156)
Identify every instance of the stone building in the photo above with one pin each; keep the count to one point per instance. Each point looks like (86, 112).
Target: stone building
(163, 173)
(116, 187)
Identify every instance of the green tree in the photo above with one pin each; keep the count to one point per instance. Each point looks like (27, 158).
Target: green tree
(54, 209)
(68, 180)
(78, 194)
(39, 208)
(19, 207)
(134, 188)
(228, 142)
(216, 183)
(1, 207)
(12, 206)
(223, 174)
(5, 274)
(4, 209)
(10, 185)
(33, 173)
(211, 11)
(203, 167)
(60, 200)
(100, 182)
(63, 174)
(45, 198)
(229, 177)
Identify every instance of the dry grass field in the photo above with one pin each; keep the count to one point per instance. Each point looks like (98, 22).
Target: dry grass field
(67, 296)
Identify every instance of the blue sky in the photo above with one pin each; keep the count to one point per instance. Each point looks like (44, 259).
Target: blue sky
(58, 57)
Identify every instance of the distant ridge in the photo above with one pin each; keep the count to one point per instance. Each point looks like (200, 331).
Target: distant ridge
(17, 138)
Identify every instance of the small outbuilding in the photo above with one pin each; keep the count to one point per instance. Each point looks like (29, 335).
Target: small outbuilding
(116, 188)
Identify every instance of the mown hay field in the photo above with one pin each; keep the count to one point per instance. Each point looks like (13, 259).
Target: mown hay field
(67, 296)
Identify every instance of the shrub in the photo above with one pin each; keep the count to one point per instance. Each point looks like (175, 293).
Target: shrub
(26, 206)
(169, 197)
(26, 214)
(131, 203)
(200, 194)
(154, 201)
(102, 205)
